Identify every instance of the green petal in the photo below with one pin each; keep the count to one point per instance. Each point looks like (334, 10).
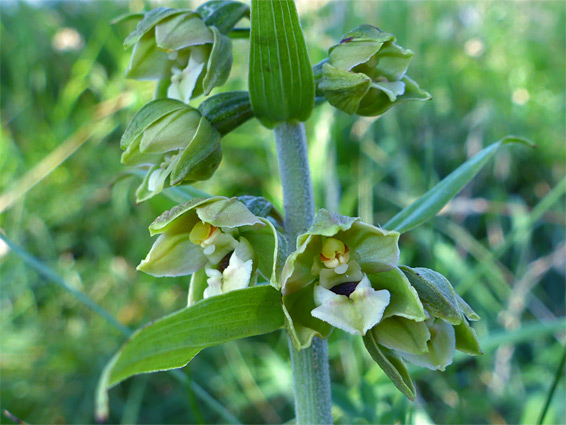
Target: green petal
(402, 334)
(352, 52)
(466, 339)
(219, 63)
(173, 255)
(133, 156)
(173, 131)
(197, 286)
(327, 223)
(301, 325)
(181, 217)
(404, 299)
(227, 212)
(391, 63)
(223, 14)
(182, 31)
(343, 89)
(355, 314)
(201, 157)
(268, 245)
(441, 347)
(467, 310)
(297, 271)
(149, 21)
(147, 61)
(391, 89)
(436, 293)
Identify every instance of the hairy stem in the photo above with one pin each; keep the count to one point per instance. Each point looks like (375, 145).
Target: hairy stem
(310, 366)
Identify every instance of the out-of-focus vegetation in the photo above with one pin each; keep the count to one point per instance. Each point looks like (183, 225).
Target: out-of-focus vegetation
(493, 68)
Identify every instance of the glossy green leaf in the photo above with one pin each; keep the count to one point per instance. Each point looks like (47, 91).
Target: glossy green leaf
(391, 364)
(436, 293)
(280, 78)
(171, 342)
(428, 205)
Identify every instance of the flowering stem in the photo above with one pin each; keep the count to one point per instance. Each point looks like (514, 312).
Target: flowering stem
(310, 366)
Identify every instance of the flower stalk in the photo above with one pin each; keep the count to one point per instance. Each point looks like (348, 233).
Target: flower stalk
(311, 377)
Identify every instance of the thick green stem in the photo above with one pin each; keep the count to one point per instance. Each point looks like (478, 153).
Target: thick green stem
(310, 366)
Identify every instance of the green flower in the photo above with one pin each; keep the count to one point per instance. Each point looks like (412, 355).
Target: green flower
(189, 52)
(174, 142)
(431, 343)
(366, 73)
(219, 241)
(344, 274)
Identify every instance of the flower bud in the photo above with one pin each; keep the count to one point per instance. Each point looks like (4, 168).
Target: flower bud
(366, 73)
(175, 141)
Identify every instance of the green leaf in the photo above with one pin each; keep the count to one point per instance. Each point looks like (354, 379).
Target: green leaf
(436, 293)
(391, 364)
(171, 342)
(146, 116)
(219, 62)
(281, 79)
(428, 205)
(227, 111)
(223, 14)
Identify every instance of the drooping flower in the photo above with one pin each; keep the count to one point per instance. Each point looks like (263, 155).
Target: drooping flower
(365, 73)
(189, 52)
(219, 241)
(344, 274)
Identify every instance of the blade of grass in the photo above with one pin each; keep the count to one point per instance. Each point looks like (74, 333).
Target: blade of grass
(552, 389)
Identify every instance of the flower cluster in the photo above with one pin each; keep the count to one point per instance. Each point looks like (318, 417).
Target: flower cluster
(218, 240)
(345, 274)
(189, 52)
(365, 73)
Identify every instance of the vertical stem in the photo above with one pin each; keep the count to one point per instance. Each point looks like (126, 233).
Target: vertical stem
(310, 366)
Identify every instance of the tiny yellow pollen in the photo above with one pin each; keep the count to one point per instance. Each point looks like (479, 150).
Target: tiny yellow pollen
(200, 232)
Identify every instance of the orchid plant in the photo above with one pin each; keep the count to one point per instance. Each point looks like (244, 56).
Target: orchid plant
(252, 271)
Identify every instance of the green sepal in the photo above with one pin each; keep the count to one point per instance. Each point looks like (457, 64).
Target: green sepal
(133, 156)
(227, 111)
(441, 347)
(147, 115)
(281, 81)
(467, 310)
(171, 132)
(171, 342)
(436, 293)
(201, 157)
(404, 299)
(219, 62)
(358, 46)
(402, 334)
(390, 63)
(343, 89)
(181, 31)
(466, 339)
(391, 364)
(301, 325)
(154, 181)
(223, 14)
(147, 61)
(149, 21)
(197, 286)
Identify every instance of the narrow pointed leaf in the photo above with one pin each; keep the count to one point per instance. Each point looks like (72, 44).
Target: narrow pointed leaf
(280, 78)
(428, 205)
(391, 364)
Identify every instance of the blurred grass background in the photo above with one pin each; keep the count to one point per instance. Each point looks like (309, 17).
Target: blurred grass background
(493, 68)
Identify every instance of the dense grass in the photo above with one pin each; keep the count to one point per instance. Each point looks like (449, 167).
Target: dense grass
(493, 68)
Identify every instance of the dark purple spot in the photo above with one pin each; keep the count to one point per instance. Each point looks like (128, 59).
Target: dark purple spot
(224, 262)
(347, 40)
(345, 288)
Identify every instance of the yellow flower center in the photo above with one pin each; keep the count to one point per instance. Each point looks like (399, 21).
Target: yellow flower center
(202, 233)
(334, 253)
